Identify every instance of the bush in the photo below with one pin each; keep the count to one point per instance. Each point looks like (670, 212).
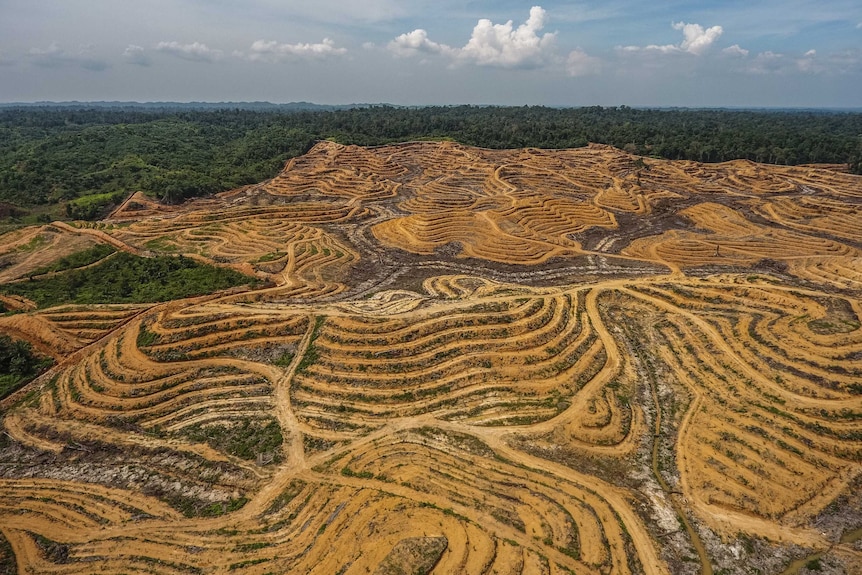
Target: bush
(18, 364)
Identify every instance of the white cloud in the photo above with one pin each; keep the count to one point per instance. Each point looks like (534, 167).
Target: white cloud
(579, 63)
(272, 51)
(696, 40)
(134, 54)
(56, 57)
(195, 52)
(735, 50)
(664, 49)
(859, 26)
(417, 42)
(508, 47)
(497, 45)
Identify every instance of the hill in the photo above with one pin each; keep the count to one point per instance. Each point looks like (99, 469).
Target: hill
(78, 161)
(456, 359)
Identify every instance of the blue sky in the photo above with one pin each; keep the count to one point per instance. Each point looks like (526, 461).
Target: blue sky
(677, 53)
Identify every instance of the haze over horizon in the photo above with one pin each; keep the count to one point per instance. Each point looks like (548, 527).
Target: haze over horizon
(796, 53)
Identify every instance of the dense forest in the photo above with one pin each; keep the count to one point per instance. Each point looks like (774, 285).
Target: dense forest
(75, 162)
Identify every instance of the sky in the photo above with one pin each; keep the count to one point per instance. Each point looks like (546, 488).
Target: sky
(716, 53)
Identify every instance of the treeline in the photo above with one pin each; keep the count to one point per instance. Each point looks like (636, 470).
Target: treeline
(59, 155)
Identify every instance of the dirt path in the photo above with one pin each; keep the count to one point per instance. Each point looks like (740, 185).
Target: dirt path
(101, 236)
(295, 452)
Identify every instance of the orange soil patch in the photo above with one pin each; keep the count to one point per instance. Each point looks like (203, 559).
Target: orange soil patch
(24, 251)
(733, 240)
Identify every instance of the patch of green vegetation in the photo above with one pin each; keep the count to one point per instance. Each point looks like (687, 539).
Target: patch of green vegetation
(8, 565)
(833, 326)
(193, 508)
(146, 338)
(308, 360)
(162, 244)
(311, 355)
(347, 472)
(272, 256)
(247, 563)
(19, 364)
(34, 244)
(53, 551)
(92, 206)
(130, 279)
(284, 359)
(246, 439)
(246, 547)
(77, 260)
(293, 489)
(574, 553)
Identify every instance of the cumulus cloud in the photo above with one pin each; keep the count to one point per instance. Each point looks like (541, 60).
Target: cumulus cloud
(579, 63)
(56, 57)
(496, 45)
(735, 50)
(136, 55)
(417, 42)
(505, 46)
(696, 40)
(272, 51)
(194, 52)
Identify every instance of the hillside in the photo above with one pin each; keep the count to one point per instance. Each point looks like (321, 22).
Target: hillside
(452, 360)
(78, 161)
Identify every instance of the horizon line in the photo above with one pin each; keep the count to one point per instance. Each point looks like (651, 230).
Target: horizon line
(307, 104)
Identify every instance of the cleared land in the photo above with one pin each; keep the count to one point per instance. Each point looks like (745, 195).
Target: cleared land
(458, 360)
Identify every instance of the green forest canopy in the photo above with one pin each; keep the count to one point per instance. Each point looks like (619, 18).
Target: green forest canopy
(59, 155)
(18, 364)
(125, 278)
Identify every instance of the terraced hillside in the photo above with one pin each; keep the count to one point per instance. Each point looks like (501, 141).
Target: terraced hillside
(457, 360)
